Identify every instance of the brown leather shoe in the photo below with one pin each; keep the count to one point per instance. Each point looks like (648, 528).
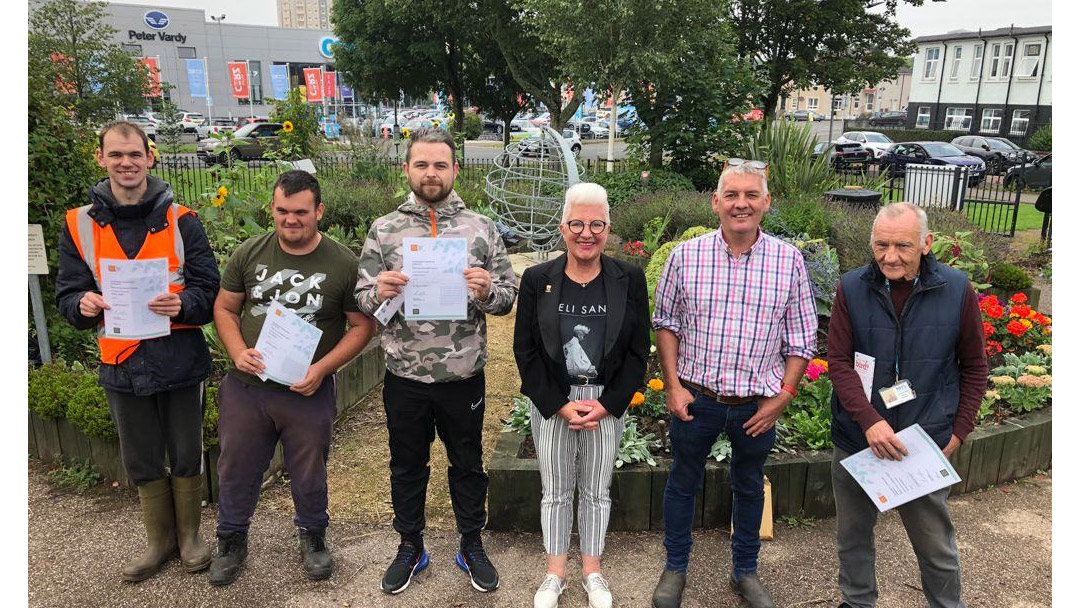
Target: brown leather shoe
(751, 590)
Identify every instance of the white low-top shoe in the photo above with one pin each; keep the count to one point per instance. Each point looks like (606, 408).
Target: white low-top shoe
(547, 596)
(597, 588)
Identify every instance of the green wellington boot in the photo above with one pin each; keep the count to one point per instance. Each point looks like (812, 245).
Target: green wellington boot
(160, 522)
(187, 499)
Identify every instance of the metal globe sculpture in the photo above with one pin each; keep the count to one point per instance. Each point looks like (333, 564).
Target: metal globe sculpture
(527, 185)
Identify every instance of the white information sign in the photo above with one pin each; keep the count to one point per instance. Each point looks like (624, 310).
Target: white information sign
(39, 260)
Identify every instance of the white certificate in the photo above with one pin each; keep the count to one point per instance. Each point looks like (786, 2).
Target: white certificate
(127, 287)
(891, 483)
(436, 287)
(287, 344)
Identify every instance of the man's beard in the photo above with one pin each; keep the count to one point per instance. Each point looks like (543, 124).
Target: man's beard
(418, 192)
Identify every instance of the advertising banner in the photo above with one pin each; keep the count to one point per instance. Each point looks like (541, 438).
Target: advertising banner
(196, 77)
(346, 91)
(238, 79)
(314, 81)
(154, 76)
(279, 81)
(330, 85)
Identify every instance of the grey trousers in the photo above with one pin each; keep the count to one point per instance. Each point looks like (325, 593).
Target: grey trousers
(568, 458)
(928, 526)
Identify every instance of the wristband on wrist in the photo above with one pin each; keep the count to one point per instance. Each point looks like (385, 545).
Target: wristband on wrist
(791, 389)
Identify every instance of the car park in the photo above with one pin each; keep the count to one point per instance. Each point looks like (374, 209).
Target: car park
(895, 160)
(215, 125)
(1037, 174)
(190, 121)
(891, 119)
(871, 140)
(148, 126)
(247, 120)
(843, 155)
(997, 152)
(249, 142)
(598, 129)
(805, 115)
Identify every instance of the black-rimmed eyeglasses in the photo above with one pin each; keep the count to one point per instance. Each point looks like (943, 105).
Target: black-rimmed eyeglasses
(595, 226)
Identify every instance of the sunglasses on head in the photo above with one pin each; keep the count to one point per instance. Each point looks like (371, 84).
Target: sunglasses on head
(753, 164)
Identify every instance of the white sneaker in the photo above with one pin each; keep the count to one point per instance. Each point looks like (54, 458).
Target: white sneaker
(597, 588)
(547, 596)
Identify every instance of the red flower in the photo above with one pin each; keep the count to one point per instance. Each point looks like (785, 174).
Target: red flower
(1016, 328)
(988, 329)
(1020, 311)
(993, 347)
(1041, 319)
(994, 311)
(956, 251)
(1018, 298)
(988, 301)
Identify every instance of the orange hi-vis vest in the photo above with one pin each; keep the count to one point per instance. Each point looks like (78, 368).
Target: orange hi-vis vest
(96, 242)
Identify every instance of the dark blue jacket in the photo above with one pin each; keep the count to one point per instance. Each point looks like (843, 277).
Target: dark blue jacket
(923, 339)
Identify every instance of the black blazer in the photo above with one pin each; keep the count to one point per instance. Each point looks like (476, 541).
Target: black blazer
(538, 345)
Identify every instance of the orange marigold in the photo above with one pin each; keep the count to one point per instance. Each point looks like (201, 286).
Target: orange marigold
(656, 384)
(1018, 298)
(1016, 328)
(637, 399)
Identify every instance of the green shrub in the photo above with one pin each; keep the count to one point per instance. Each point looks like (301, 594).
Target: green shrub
(799, 215)
(793, 171)
(49, 390)
(79, 476)
(89, 411)
(1041, 140)
(1009, 276)
(656, 264)
(520, 418)
(687, 209)
(624, 186)
(696, 231)
(473, 125)
(355, 203)
(210, 418)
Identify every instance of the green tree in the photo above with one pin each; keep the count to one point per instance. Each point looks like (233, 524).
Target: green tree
(71, 49)
(838, 44)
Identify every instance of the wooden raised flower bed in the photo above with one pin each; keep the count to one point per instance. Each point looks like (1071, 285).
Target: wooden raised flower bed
(50, 439)
(801, 483)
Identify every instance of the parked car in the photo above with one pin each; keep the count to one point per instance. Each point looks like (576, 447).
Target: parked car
(534, 147)
(805, 115)
(190, 121)
(148, 126)
(871, 140)
(997, 152)
(844, 154)
(898, 156)
(598, 129)
(247, 120)
(520, 124)
(216, 125)
(543, 120)
(1034, 175)
(249, 142)
(891, 119)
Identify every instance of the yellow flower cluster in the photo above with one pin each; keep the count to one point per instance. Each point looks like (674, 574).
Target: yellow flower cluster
(1046, 349)
(1029, 381)
(1002, 380)
(1035, 370)
(992, 395)
(218, 201)
(656, 384)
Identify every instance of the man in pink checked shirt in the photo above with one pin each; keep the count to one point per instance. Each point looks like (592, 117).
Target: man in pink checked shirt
(735, 323)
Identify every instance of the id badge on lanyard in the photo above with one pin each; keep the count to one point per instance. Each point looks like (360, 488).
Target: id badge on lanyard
(901, 392)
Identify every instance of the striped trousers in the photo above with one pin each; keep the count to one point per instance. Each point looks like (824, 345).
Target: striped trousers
(584, 459)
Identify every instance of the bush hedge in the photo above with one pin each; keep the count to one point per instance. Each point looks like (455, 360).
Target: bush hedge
(49, 390)
(88, 410)
(687, 209)
(625, 186)
(1009, 276)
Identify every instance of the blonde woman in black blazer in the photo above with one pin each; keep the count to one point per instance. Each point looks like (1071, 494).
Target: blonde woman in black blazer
(581, 340)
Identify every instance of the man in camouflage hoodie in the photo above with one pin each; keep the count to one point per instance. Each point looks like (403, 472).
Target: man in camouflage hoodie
(435, 369)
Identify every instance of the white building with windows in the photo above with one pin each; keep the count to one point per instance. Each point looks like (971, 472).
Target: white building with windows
(994, 82)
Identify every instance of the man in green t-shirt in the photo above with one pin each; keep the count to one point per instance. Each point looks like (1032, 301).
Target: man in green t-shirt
(313, 276)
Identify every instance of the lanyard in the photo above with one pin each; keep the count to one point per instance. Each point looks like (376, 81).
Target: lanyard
(899, 327)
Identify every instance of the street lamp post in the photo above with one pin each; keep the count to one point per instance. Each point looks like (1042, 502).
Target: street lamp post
(221, 40)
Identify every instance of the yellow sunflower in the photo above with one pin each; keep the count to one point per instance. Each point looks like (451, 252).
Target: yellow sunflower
(218, 201)
(223, 191)
(287, 126)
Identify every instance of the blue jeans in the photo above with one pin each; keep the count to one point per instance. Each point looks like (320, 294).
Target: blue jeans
(690, 445)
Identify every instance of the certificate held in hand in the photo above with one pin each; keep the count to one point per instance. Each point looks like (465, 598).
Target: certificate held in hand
(128, 286)
(287, 344)
(436, 269)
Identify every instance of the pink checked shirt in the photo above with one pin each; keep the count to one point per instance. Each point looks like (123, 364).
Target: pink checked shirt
(736, 318)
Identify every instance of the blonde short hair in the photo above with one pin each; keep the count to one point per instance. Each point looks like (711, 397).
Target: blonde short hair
(586, 193)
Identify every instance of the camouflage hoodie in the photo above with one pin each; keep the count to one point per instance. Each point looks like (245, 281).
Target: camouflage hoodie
(436, 351)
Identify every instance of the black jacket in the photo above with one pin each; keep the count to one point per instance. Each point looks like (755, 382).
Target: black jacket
(159, 364)
(538, 345)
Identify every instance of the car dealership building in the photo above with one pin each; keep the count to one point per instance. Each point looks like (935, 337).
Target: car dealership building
(174, 35)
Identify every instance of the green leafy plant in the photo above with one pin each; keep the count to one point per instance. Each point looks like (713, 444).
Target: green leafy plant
(788, 149)
(300, 136)
(721, 448)
(49, 390)
(634, 447)
(1009, 276)
(520, 418)
(78, 476)
(959, 251)
(1023, 383)
(625, 186)
(799, 520)
(654, 231)
(685, 209)
(89, 411)
(822, 266)
(210, 418)
(1041, 140)
(808, 419)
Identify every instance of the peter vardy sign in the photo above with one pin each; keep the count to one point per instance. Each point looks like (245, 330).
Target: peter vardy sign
(156, 20)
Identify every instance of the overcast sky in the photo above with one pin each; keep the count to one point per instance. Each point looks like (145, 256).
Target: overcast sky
(931, 18)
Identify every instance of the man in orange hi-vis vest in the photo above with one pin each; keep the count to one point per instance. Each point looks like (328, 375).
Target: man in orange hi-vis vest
(154, 386)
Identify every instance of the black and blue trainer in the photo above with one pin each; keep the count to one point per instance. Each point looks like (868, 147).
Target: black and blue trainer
(474, 561)
(411, 559)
